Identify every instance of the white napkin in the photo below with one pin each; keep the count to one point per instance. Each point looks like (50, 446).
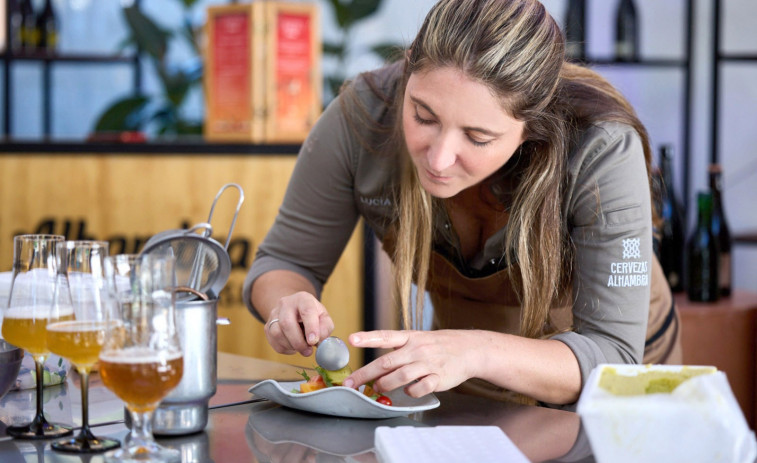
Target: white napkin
(449, 444)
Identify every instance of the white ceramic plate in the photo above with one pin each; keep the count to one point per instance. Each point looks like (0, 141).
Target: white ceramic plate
(342, 401)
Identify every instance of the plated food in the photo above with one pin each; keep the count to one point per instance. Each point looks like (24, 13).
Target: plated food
(342, 401)
(326, 378)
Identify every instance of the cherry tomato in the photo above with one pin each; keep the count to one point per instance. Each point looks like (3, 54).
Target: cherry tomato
(382, 399)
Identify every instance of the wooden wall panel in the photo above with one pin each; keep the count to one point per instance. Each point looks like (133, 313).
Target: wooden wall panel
(125, 199)
(724, 334)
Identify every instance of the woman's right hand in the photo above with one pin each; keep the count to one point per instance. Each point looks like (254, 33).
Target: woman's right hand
(297, 323)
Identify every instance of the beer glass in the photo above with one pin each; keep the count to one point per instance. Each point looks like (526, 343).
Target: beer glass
(81, 268)
(141, 360)
(32, 296)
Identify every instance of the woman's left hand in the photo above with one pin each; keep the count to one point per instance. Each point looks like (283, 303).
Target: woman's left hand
(425, 361)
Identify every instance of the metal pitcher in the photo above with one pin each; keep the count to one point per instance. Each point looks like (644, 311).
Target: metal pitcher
(185, 409)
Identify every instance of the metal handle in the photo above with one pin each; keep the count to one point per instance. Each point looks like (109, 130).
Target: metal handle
(187, 289)
(236, 212)
(208, 229)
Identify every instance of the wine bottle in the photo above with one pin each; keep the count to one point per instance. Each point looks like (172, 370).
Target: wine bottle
(575, 35)
(702, 252)
(657, 207)
(29, 33)
(720, 230)
(672, 240)
(47, 25)
(626, 32)
(14, 22)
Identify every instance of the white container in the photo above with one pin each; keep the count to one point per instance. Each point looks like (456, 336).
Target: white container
(698, 421)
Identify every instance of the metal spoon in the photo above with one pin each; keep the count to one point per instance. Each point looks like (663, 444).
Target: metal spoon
(332, 354)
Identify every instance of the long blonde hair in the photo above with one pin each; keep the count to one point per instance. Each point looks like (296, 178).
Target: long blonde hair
(515, 48)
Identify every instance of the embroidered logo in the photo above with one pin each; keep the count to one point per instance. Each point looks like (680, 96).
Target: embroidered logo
(629, 274)
(632, 248)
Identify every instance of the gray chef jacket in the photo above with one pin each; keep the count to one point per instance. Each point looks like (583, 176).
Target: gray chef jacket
(337, 180)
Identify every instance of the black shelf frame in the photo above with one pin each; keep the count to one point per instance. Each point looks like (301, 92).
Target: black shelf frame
(67, 57)
(686, 64)
(718, 57)
(48, 60)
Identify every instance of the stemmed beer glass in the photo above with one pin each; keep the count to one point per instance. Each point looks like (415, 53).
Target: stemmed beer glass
(33, 294)
(142, 360)
(82, 265)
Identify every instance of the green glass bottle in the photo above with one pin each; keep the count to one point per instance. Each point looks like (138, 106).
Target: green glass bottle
(673, 238)
(702, 255)
(29, 32)
(626, 32)
(720, 229)
(15, 21)
(575, 35)
(47, 25)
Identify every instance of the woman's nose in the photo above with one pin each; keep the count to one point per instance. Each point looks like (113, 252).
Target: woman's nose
(442, 153)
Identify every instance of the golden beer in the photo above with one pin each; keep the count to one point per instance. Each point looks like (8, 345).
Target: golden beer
(78, 341)
(140, 376)
(26, 327)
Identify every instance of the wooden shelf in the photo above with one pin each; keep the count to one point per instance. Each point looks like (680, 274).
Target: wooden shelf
(724, 334)
(643, 63)
(42, 56)
(746, 238)
(182, 146)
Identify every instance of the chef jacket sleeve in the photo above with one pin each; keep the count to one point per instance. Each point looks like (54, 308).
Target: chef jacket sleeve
(318, 213)
(609, 218)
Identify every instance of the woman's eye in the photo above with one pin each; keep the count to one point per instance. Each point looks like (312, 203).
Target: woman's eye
(478, 143)
(422, 121)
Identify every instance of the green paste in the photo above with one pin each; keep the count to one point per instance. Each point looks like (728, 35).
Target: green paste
(648, 382)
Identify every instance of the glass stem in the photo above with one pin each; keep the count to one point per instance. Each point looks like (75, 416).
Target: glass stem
(141, 428)
(84, 376)
(39, 418)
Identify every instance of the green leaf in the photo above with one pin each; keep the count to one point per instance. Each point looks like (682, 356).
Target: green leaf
(341, 13)
(189, 32)
(330, 48)
(185, 127)
(148, 35)
(124, 114)
(176, 87)
(361, 9)
(188, 4)
(388, 51)
(304, 374)
(335, 83)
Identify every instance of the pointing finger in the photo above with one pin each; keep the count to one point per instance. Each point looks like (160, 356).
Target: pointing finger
(382, 339)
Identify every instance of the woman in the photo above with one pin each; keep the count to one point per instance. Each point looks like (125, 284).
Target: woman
(511, 185)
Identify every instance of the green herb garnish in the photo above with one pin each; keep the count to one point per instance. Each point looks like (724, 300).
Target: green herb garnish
(325, 376)
(304, 374)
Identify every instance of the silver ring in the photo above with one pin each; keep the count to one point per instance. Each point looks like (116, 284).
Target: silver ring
(270, 323)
